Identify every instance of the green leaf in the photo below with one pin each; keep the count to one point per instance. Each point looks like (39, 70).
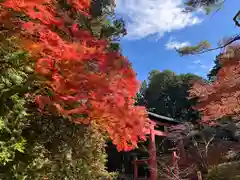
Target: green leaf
(5, 155)
(2, 124)
(19, 146)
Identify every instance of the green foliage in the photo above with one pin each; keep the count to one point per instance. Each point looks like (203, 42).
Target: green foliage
(114, 30)
(207, 5)
(13, 114)
(166, 93)
(103, 23)
(140, 95)
(102, 7)
(217, 66)
(226, 171)
(199, 48)
(57, 149)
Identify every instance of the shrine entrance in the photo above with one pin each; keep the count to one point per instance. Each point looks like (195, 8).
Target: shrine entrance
(141, 163)
(159, 126)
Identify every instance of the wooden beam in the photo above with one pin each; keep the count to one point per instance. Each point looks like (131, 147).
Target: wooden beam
(159, 133)
(142, 161)
(156, 132)
(163, 124)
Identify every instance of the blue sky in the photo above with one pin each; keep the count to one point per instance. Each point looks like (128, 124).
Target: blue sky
(156, 26)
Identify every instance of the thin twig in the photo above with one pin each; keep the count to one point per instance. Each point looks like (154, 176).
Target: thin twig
(208, 143)
(218, 9)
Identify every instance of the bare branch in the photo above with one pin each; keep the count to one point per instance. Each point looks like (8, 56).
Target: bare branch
(208, 143)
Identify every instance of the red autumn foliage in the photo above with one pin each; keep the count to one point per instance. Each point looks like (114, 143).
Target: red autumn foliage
(82, 76)
(221, 97)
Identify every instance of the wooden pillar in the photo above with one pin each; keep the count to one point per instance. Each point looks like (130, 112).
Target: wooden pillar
(135, 170)
(182, 150)
(175, 164)
(152, 156)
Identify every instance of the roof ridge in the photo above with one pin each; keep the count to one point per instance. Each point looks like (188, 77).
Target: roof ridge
(163, 117)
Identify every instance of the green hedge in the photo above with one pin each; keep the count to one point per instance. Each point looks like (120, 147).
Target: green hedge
(225, 171)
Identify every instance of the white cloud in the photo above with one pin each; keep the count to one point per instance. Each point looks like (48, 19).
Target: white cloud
(204, 66)
(154, 17)
(172, 44)
(201, 64)
(198, 61)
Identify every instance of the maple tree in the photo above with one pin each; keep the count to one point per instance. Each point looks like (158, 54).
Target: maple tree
(216, 99)
(79, 78)
(221, 97)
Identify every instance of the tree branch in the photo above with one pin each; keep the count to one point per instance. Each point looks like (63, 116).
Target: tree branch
(236, 38)
(208, 143)
(235, 19)
(220, 47)
(218, 9)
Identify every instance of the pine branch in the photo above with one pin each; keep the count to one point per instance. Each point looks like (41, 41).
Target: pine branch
(232, 40)
(223, 46)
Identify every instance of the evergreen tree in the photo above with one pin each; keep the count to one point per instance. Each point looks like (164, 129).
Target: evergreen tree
(166, 93)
